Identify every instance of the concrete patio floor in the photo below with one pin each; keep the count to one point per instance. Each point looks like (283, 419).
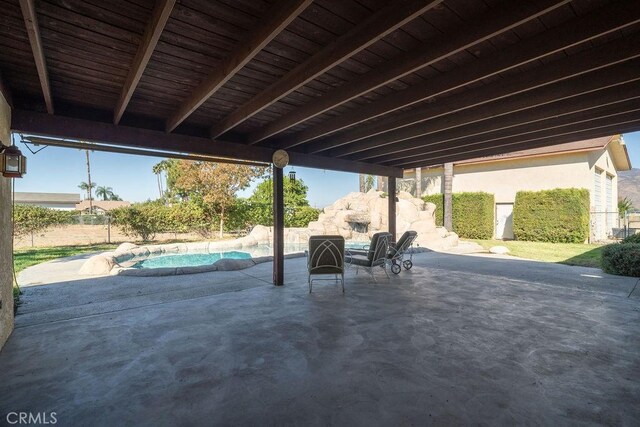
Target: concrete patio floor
(456, 340)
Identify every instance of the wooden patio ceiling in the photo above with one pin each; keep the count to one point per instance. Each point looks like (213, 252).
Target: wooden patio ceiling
(367, 86)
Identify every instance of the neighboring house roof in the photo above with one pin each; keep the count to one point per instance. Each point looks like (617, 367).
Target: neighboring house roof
(105, 205)
(616, 144)
(26, 197)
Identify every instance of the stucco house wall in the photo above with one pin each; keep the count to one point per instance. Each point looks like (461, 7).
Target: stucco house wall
(505, 177)
(6, 268)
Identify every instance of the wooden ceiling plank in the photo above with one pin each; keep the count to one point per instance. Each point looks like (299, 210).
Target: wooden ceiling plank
(409, 125)
(603, 86)
(277, 19)
(31, 23)
(630, 123)
(5, 92)
(596, 24)
(378, 25)
(153, 31)
(35, 123)
(589, 110)
(498, 21)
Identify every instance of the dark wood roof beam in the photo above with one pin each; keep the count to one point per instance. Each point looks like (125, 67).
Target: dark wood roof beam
(159, 18)
(35, 123)
(615, 84)
(31, 23)
(276, 20)
(5, 91)
(585, 110)
(378, 25)
(514, 145)
(409, 125)
(596, 24)
(506, 17)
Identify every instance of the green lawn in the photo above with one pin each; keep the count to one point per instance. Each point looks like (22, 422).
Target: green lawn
(563, 253)
(23, 258)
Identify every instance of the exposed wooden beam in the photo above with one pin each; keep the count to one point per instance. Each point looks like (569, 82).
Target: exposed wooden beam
(602, 56)
(159, 18)
(5, 91)
(525, 130)
(543, 142)
(376, 26)
(33, 30)
(502, 19)
(605, 87)
(502, 140)
(596, 24)
(281, 15)
(30, 122)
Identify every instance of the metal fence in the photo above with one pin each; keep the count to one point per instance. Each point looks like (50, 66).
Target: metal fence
(605, 226)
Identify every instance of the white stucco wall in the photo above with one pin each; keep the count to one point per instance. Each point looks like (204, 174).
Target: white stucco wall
(6, 269)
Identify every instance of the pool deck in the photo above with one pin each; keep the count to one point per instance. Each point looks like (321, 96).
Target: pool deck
(456, 340)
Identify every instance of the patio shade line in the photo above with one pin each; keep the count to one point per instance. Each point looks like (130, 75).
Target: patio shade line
(281, 15)
(548, 102)
(409, 125)
(500, 20)
(580, 30)
(33, 30)
(584, 124)
(159, 17)
(376, 26)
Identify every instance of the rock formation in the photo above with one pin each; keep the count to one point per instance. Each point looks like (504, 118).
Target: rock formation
(357, 216)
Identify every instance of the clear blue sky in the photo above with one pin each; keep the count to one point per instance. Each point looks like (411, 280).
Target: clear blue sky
(60, 170)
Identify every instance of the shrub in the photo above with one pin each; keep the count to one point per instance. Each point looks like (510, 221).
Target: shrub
(622, 259)
(302, 216)
(473, 215)
(142, 219)
(634, 238)
(438, 200)
(560, 215)
(29, 219)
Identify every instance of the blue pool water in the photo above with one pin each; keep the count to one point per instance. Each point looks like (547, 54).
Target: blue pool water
(208, 258)
(189, 260)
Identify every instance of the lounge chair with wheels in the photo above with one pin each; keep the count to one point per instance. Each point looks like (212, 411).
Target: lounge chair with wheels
(326, 257)
(399, 254)
(373, 256)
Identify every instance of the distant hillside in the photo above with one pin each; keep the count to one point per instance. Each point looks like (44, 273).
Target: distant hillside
(629, 186)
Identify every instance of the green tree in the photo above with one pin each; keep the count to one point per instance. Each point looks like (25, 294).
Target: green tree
(624, 205)
(295, 204)
(105, 192)
(215, 183)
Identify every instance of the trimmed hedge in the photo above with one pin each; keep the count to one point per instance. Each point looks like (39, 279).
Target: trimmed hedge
(622, 259)
(438, 200)
(634, 238)
(472, 213)
(559, 216)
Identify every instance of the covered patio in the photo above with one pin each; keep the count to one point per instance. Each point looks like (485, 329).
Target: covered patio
(363, 86)
(456, 340)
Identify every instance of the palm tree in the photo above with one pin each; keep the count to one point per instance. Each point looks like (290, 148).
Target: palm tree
(157, 169)
(105, 192)
(624, 205)
(88, 188)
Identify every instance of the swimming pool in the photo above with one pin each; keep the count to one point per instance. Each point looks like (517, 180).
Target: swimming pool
(208, 258)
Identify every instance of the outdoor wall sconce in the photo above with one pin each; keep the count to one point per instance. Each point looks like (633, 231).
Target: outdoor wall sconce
(292, 175)
(12, 163)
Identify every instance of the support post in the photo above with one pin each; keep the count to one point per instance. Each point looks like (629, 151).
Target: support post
(391, 195)
(278, 227)
(419, 183)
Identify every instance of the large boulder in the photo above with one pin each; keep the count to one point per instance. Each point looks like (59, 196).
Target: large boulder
(98, 265)
(261, 234)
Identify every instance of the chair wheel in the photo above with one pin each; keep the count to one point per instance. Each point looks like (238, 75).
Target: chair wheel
(407, 264)
(395, 268)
